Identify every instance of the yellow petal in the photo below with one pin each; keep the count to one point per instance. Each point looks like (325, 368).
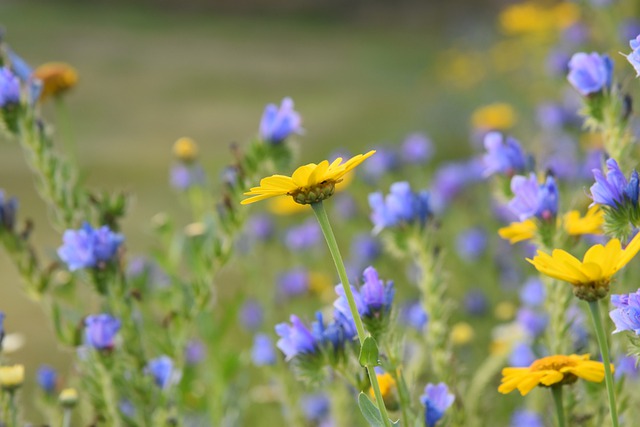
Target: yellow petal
(317, 176)
(301, 175)
(629, 252)
(256, 198)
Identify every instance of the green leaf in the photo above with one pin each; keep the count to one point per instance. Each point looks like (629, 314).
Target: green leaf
(369, 353)
(369, 410)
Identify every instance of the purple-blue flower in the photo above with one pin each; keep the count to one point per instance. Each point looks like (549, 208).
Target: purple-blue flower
(252, 314)
(626, 315)
(417, 148)
(47, 378)
(526, 418)
(613, 189)
(295, 338)
(100, 331)
(521, 355)
(161, 369)
(8, 208)
(261, 226)
(315, 406)
(451, 178)
(304, 236)
(385, 160)
(532, 293)
(401, 205)
(471, 243)
(634, 56)
(590, 73)
(277, 124)
(532, 321)
(412, 314)
(475, 302)
(627, 367)
(88, 247)
(263, 352)
(533, 199)
(293, 282)
(183, 176)
(195, 352)
(372, 299)
(504, 156)
(436, 400)
(2, 315)
(9, 88)
(364, 250)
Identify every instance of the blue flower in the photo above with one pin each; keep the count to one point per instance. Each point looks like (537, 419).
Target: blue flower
(183, 176)
(385, 160)
(590, 73)
(475, 302)
(533, 322)
(533, 199)
(634, 56)
(504, 155)
(161, 369)
(315, 406)
(334, 335)
(293, 282)
(364, 250)
(295, 339)
(47, 378)
(436, 400)
(2, 316)
(626, 315)
(521, 355)
(374, 298)
(417, 148)
(9, 88)
(533, 293)
(195, 352)
(263, 353)
(304, 236)
(412, 314)
(450, 179)
(251, 315)
(88, 247)
(8, 208)
(613, 189)
(261, 227)
(400, 206)
(627, 367)
(526, 418)
(100, 331)
(279, 123)
(471, 243)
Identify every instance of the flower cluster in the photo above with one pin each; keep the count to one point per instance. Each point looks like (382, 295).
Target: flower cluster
(401, 206)
(504, 155)
(277, 124)
(88, 247)
(100, 331)
(590, 73)
(626, 315)
(532, 199)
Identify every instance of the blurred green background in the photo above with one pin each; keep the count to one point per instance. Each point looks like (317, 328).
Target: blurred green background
(360, 75)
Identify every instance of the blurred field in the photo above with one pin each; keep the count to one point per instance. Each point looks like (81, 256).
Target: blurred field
(149, 77)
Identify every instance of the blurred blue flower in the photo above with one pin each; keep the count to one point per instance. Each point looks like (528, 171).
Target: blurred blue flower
(315, 406)
(475, 302)
(590, 73)
(88, 247)
(295, 339)
(126, 408)
(277, 124)
(401, 205)
(385, 161)
(263, 352)
(2, 316)
(613, 189)
(184, 176)
(344, 206)
(100, 331)
(260, 226)
(526, 418)
(557, 63)
(195, 352)
(629, 29)
(9, 88)
(304, 236)
(626, 315)
(560, 161)
(627, 367)
(336, 333)
(532, 321)
(252, 314)
(521, 355)
(436, 400)
(19, 66)
(293, 282)
(451, 178)
(161, 369)
(364, 250)
(471, 243)
(592, 160)
(8, 208)
(576, 34)
(533, 199)
(504, 156)
(634, 56)
(47, 378)
(412, 314)
(533, 292)
(417, 148)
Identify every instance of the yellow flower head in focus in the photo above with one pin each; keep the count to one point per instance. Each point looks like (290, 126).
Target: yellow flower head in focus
(185, 149)
(497, 116)
(549, 371)
(519, 231)
(308, 184)
(591, 223)
(11, 377)
(591, 276)
(56, 77)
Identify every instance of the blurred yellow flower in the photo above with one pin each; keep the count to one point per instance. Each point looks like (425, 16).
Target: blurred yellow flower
(68, 397)
(496, 116)
(11, 376)
(519, 231)
(505, 310)
(552, 370)
(185, 149)
(461, 333)
(533, 18)
(308, 184)
(56, 77)
(387, 390)
(590, 223)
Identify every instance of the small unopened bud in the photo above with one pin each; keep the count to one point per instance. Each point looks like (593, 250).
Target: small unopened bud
(68, 398)
(11, 377)
(185, 149)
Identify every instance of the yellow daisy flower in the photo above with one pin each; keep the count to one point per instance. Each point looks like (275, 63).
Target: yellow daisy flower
(11, 376)
(56, 77)
(591, 276)
(497, 116)
(308, 184)
(185, 149)
(551, 370)
(519, 231)
(388, 390)
(590, 223)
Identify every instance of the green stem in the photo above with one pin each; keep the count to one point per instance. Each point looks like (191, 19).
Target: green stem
(66, 417)
(108, 394)
(12, 408)
(556, 390)
(594, 308)
(323, 220)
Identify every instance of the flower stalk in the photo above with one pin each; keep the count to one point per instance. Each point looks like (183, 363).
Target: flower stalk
(556, 391)
(327, 231)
